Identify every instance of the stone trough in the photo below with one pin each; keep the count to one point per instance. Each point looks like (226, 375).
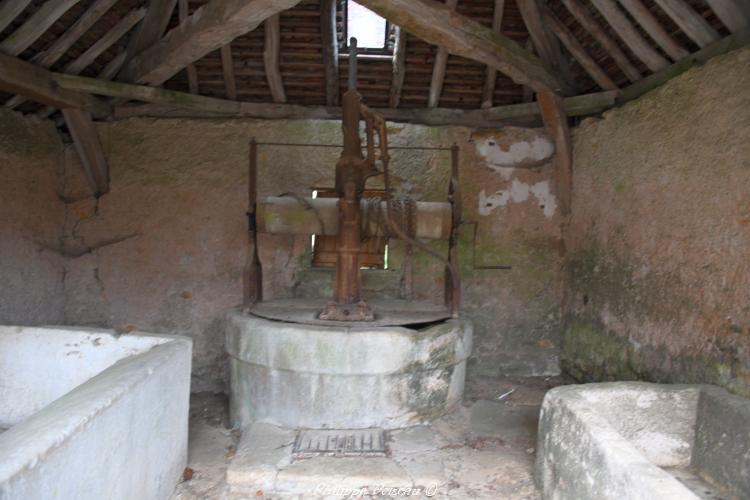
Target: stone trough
(91, 415)
(632, 440)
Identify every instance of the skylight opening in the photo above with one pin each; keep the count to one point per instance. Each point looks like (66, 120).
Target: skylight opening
(367, 27)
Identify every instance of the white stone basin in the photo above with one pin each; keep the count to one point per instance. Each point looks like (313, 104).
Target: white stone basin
(635, 440)
(92, 415)
(313, 376)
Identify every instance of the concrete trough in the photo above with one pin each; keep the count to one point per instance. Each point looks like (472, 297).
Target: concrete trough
(634, 440)
(88, 414)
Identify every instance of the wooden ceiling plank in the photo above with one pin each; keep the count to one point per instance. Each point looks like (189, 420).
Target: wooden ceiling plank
(34, 82)
(731, 13)
(183, 12)
(435, 23)
(330, 43)
(399, 68)
(488, 89)
(9, 10)
(89, 148)
(627, 32)
(438, 68)
(39, 22)
(692, 24)
(227, 70)
(585, 19)
(654, 28)
(578, 52)
(271, 51)
(213, 25)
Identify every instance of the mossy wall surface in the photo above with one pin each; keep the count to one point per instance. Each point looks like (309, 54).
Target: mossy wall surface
(164, 250)
(31, 221)
(658, 281)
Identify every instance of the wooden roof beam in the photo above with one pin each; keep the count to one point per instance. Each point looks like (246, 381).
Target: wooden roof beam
(271, 53)
(34, 82)
(9, 10)
(578, 52)
(734, 15)
(655, 30)
(627, 32)
(330, 50)
(490, 81)
(227, 70)
(26, 34)
(183, 11)
(150, 30)
(438, 68)
(585, 19)
(399, 68)
(89, 148)
(545, 44)
(209, 28)
(435, 23)
(694, 26)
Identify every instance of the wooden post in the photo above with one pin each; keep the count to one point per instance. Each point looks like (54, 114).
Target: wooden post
(89, 149)
(556, 123)
(253, 273)
(438, 68)
(271, 58)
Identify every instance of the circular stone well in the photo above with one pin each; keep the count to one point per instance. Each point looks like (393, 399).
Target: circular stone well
(316, 376)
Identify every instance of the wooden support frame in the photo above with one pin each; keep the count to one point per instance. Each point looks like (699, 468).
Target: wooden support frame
(271, 53)
(330, 51)
(89, 148)
(34, 82)
(438, 68)
(435, 23)
(490, 80)
(544, 43)
(556, 122)
(212, 26)
(150, 30)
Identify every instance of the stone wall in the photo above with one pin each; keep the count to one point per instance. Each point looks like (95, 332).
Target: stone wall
(164, 250)
(659, 268)
(31, 221)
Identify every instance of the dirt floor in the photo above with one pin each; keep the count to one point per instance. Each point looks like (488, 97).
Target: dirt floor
(487, 449)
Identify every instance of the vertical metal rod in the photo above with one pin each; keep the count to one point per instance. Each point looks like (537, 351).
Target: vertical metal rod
(352, 63)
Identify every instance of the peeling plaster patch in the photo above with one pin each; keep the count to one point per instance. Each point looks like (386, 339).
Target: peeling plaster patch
(518, 193)
(502, 155)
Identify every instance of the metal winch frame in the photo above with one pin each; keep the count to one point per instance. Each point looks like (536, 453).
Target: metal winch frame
(353, 169)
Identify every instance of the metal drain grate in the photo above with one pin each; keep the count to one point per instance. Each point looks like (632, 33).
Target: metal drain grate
(340, 443)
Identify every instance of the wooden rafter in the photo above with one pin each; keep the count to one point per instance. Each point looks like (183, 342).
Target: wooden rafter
(731, 13)
(34, 82)
(399, 68)
(584, 17)
(89, 148)
(9, 10)
(655, 30)
(227, 69)
(437, 24)
(271, 58)
(438, 68)
(556, 122)
(578, 52)
(490, 80)
(694, 26)
(151, 29)
(330, 50)
(35, 26)
(627, 32)
(183, 11)
(209, 28)
(544, 43)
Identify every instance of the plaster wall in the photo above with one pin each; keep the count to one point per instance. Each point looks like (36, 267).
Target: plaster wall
(31, 221)
(659, 272)
(164, 250)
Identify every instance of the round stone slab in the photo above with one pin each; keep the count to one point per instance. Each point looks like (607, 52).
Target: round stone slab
(314, 376)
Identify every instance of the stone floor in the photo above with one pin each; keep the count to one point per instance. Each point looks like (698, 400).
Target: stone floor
(483, 450)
